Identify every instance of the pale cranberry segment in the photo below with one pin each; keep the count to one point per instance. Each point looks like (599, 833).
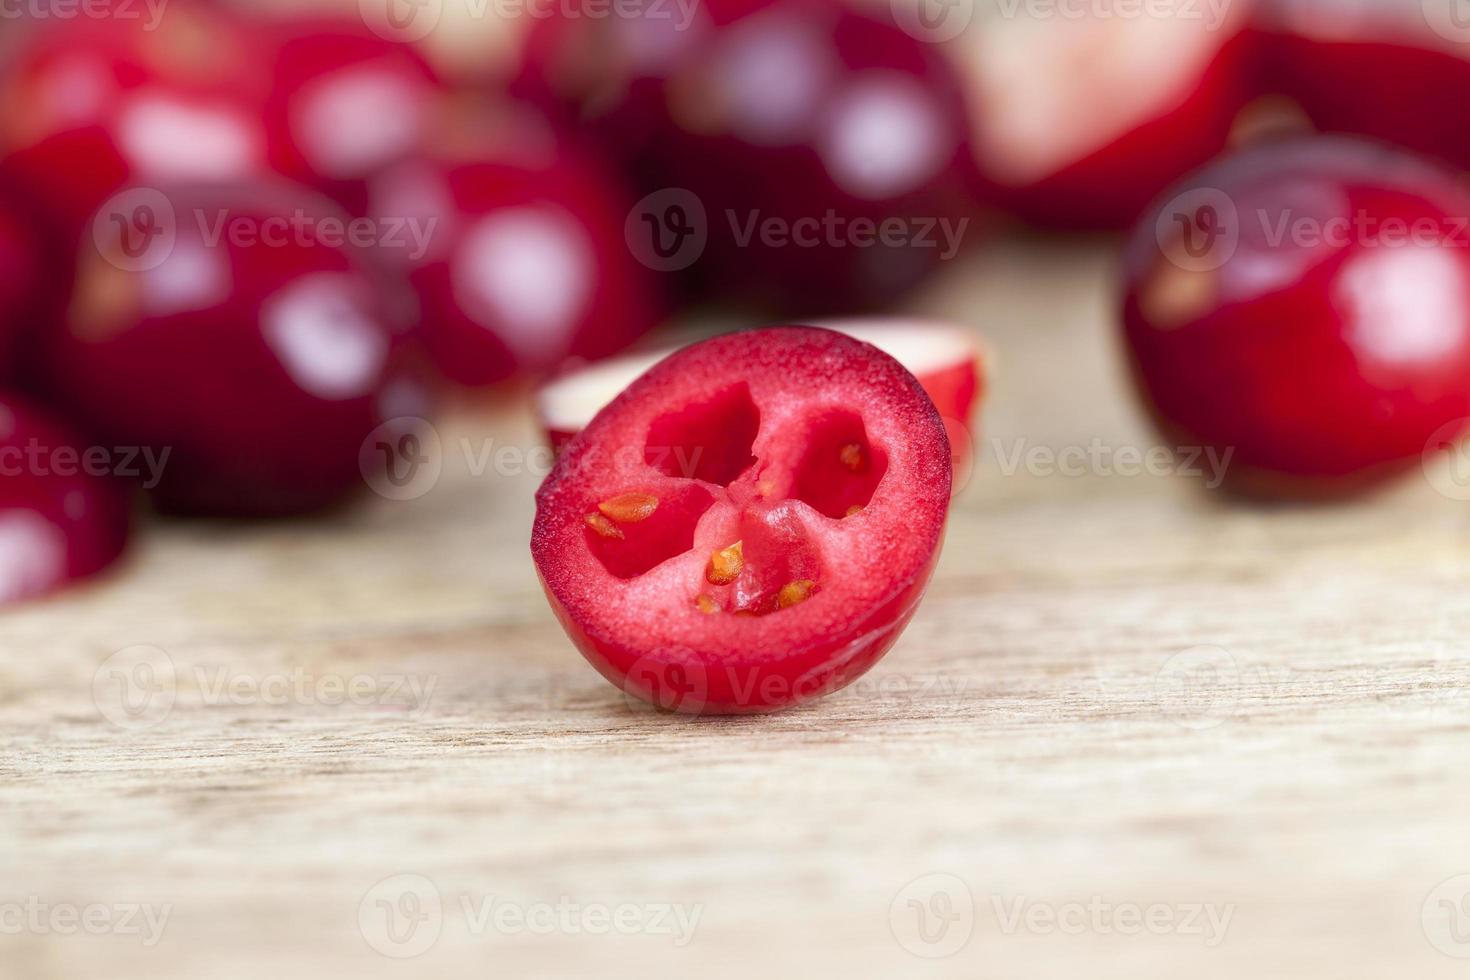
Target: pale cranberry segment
(517, 256)
(241, 338)
(1305, 305)
(749, 525)
(63, 515)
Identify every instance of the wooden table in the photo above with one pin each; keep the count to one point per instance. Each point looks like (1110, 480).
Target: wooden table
(1137, 730)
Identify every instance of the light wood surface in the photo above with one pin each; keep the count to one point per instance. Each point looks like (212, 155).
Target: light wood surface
(1121, 693)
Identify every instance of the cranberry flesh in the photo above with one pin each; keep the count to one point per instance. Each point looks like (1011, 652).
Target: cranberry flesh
(62, 518)
(824, 149)
(1393, 72)
(519, 261)
(93, 104)
(749, 525)
(1305, 305)
(232, 329)
(1081, 122)
(945, 360)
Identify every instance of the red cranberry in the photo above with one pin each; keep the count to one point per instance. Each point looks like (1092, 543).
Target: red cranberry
(748, 526)
(344, 104)
(27, 286)
(232, 328)
(825, 148)
(1395, 72)
(96, 103)
(517, 255)
(1082, 122)
(1305, 305)
(63, 514)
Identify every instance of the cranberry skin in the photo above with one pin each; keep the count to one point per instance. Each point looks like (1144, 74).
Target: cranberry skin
(799, 482)
(345, 104)
(779, 114)
(27, 287)
(58, 522)
(1080, 124)
(261, 365)
(1379, 71)
(94, 104)
(1308, 334)
(525, 263)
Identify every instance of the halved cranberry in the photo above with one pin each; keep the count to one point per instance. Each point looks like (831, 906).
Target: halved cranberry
(517, 255)
(1397, 72)
(1081, 121)
(946, 361)
(230, 327)
(63, 516)
(750, 525)
(95, 103)
(820, 152)
(1305, 305)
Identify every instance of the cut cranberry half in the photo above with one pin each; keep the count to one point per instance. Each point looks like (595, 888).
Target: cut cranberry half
(1305, 306)
(232, 329)
(63, 516)
(750, 525)
(945, 360)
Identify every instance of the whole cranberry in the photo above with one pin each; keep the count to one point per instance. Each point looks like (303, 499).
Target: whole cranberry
(28, 285)
(1302, 309)
(93, 104)
(1397, 72)
(64, 515)
(517, 255)
(344, 104)
(233, 328)
(1082, 120)
(802, 155)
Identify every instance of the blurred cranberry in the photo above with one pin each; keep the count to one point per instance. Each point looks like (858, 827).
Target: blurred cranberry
(1305, 306)
(1082, 120)
(93, 104)
(234, 329)
(823, 149)
(344, 104)
(63, 514)
(1396, 72)
(516, 250)
(27, 286)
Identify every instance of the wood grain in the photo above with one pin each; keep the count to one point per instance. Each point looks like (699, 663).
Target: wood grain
(1122, 693)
